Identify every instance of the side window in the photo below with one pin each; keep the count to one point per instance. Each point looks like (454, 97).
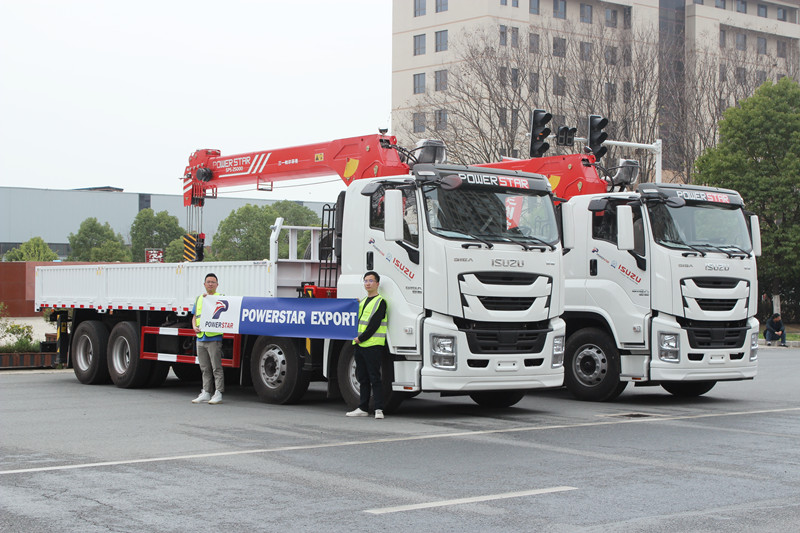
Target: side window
(604, 226)
(410, 214)
(638, 231)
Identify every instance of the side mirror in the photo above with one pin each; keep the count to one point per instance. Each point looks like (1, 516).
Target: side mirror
(567, 225)
(755, 232)
(624, 227)
(393, 219)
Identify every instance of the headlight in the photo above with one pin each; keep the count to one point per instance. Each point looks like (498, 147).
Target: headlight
(669, 347)
(443, 352)
(558, 351)
(754, 346)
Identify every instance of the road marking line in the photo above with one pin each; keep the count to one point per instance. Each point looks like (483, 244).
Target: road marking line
(303, 447)
(474, 499)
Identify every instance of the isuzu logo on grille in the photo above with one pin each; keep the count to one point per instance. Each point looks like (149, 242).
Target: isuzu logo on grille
(717, 267)
(508, 263)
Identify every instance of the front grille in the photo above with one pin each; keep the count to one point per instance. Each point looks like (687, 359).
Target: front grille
(498, 303)
(505, 278)
(714, 304)
(715, 335)
(504, 337)
(716, 283)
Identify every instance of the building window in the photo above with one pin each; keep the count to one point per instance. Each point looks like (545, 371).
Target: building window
(559, 47)
(740, 74)
(419, 7)
(441, 41)
(440, 117)
(723, 72)
(762, 10)
(611, 18)
(627, 90)
(419, 45)
(586, 51)
(533, 7)
(515, 78)
(761, 46)
(440, 80)
(502, 76)
(559, 86)
(611, 55)
(761, 76)
(782, 49)
(611, 92)
(741, 41)
(741, 6)
(533, 43)
(627, 17)
(419, 83)
(441, 5)
(534, 83)
(627, 56)
(514, 3)
(782, 14)
(515, 37)
(503, 2)
(560, 9)
(720, 4)
(586, 13)
(419, 122)
(722, 38)
(503, 35)
(502, 120)
(585, 88)
(699, 2)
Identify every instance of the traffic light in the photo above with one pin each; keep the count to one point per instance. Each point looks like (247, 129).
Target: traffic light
(597, 136)
(539, 132)
(566, 136)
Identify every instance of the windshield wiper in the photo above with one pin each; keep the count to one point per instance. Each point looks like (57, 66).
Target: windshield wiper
(465, 234)
(697, 251)
(525, 246)
(714, 247)
(742, 251)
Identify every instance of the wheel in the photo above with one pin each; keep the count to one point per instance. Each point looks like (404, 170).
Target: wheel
(592, 366)
(89, 343)
(187, 372)
(351, 388)
(688, 389)
(497, 399)
(277, 371)
(126, 369)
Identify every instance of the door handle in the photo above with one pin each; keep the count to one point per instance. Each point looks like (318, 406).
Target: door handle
(593, 267)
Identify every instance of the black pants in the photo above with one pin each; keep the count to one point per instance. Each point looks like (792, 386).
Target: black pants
(368, 373)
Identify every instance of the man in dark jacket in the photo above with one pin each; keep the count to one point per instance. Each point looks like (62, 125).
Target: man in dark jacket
(775, 330)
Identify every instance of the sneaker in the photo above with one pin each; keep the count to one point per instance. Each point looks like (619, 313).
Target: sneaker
(216, 399)
(204, 397)
(378, 414)
(357, 412)
(769, 344)
(784, 345)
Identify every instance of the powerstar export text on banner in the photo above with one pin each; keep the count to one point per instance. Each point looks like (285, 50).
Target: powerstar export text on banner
(281, 317)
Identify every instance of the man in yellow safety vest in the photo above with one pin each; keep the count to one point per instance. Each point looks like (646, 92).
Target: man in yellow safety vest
(209, 349)
(369, 346)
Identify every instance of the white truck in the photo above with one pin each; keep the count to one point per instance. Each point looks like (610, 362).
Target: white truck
(470, 263)
(661, 289)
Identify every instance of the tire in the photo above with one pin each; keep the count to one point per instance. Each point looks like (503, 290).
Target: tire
(277, 371)
(126, 369)
(688, 389)
(88, 352)
(187, 372)
(497, 399)
(592, 366)
(351, 388)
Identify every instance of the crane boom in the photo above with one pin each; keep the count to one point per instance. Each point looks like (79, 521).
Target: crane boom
(351, 158)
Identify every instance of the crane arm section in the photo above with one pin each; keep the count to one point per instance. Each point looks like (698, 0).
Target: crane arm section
(352, 158)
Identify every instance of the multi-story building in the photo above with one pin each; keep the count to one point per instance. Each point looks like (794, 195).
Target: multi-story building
(623, 59)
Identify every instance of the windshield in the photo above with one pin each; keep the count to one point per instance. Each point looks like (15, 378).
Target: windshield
(700, 226)
(488, 214)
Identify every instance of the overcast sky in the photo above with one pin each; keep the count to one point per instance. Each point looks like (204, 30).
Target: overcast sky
(106, 92)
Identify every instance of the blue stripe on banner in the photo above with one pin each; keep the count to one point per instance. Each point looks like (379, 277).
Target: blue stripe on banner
(316, 318)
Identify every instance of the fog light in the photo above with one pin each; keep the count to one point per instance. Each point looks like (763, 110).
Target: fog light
(669, 347)
(754, 346)
(558, 351)
(443, 352)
